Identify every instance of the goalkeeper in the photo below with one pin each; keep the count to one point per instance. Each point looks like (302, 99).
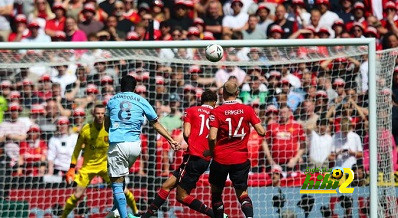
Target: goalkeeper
(93, 139)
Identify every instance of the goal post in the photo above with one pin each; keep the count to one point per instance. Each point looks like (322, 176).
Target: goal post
(143, 54)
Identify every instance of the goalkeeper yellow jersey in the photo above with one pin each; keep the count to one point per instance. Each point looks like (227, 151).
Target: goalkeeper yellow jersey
(96, 143)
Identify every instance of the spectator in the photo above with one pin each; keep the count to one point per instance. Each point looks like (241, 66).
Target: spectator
(288, 27)
(189, 96)
(214, 18)
(57, 23)
(390, 40)
(323, 33)
(271, 114)
(254, 91)
(327, 17)
(300, 13)
(44, 87)
(12, 132)
(21, 29)
(237, 21)
(308, 118)
(37, 113)
(320, 144)
(252, 32)
(315, 18)
(180, 17)
(32, 154)
(158, 10)
(102, 69)
(6, 11)
(321, 103)
(108, 6)
(72, 31)
(228, 9)
(390, 20)
(360, 177)
(347, 146)
(79, 116)
(276, 176)
(77, 89)
(35, 34)
(90, 25)
(48, 122)
(63, 74)
(74, 8)
(222, 75)
(42, 12)
(346, 14)
(123, 25)
(359, 16)
(338, 27)
(357, 30)
(173, 120)
(64, 106)
(263, 12)
(60, 148)
(287, 141)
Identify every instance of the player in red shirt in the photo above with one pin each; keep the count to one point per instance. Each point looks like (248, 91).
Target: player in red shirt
(287, 140)
(196, 160)
(228, 137)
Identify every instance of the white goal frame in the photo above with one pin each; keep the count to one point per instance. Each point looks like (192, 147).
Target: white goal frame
(369, 42)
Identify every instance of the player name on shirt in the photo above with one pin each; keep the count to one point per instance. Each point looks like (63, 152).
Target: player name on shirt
(206, 111)
(129, 97)
(233, 112)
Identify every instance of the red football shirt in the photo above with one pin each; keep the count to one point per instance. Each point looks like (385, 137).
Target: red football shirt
(254, 147)
(285, 140)
(198, 117)
(232, 120)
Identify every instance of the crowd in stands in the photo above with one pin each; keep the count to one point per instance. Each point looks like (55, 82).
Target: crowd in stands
(316, 113)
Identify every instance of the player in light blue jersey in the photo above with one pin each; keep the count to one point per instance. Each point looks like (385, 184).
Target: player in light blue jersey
(125, 116)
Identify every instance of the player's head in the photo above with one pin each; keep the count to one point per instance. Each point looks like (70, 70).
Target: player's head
(230, 90)
(127, 84)
(99, 113)
(209, 97)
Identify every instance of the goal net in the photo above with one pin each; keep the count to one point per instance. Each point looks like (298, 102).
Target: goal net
(312, 100)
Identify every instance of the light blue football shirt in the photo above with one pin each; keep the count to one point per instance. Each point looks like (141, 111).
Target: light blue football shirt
(126, 111)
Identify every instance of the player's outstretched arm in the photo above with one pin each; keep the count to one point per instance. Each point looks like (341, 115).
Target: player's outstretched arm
(259, 129)
(212, 139)
(162, 131)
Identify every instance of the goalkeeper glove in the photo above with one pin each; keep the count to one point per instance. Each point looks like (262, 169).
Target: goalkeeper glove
(70, 175)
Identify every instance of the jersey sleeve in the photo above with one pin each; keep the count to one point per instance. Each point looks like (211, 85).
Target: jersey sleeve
(78, 148)
(149, 111)
(214, 122)
(187, 116)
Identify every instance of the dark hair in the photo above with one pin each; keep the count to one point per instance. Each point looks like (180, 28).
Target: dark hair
(208, 96)
(127, 84)
(99, 106)
(237, 35)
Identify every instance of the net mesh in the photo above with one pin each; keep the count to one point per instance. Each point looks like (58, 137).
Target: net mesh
(325, 88)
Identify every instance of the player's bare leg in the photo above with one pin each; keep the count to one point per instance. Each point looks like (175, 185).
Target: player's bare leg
(161, 196)
(246, 202)
(216, 201)
(184, 198)
(71, 202)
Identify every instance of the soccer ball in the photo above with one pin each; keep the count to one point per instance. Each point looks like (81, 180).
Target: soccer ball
(337, 173)
(214, 52)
